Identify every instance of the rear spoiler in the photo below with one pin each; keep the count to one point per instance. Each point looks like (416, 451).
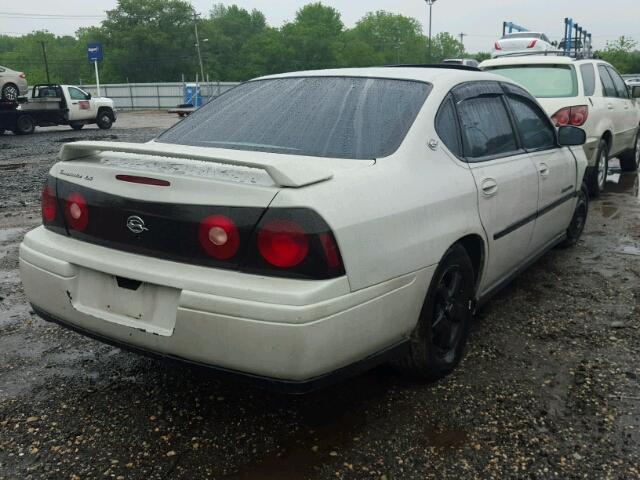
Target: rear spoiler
(284, 171)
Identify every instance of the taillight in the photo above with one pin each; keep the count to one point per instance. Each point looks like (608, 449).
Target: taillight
(575, 116)
(219, 237)
(532, 43)
(283, 243)
(76, 212)
(49, 205)
(497, 46)
(293, 242)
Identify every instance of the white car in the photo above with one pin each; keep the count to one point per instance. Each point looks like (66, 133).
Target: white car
(589, 94)
(306, 226)
(522, 42)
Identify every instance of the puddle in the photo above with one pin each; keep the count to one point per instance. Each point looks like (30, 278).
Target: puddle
(609, 211)
(628, 183)
(11, 234)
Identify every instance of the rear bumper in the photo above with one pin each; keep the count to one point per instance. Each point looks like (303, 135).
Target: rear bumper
(294, 332)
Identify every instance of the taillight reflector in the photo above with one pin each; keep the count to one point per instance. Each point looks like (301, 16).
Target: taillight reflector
(76, 211)
(283, 243)
(219, 237)
(143, 180)
(49, 205)
(532, 43)
(575, 116)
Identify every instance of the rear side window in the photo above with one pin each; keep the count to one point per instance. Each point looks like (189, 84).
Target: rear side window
(340, 117)
(447, 127)
(588, 79)
(486, 128)
(608, 88)
(533, 125)
(621, 87)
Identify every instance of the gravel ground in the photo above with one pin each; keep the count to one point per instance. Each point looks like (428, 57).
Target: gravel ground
(549, 388)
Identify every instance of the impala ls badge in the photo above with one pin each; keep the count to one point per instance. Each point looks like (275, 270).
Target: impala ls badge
(136, 224)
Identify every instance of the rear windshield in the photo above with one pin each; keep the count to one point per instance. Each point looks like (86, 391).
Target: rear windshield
(542, 81)
(522, 35)
(343, 117)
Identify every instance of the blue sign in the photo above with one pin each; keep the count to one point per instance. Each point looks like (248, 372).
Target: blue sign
(95, 52)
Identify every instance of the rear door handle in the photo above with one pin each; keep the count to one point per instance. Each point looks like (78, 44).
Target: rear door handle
(610, 106)
(489, 187)
(543, 168)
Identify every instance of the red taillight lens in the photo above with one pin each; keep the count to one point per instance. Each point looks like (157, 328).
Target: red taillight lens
(497, 46)
(219, 237)
(576, 116)
(283, 243)
(49, 204)
(22, 75)
(76, 212)
(331, 251)
(532, 43)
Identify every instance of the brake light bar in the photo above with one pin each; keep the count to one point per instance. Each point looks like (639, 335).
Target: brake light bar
(143, 180)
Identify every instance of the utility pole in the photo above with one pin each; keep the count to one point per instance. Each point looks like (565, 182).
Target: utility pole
(430, 3)
(46, 64)
(195, 26)
(462, 35)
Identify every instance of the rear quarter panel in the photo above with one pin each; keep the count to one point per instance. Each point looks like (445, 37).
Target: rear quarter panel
(399, 215)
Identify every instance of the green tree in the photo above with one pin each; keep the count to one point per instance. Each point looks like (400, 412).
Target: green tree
(226, 32)
(311, 40)
(383, 38)
(149, 40)
(622, 54)
(445, 45)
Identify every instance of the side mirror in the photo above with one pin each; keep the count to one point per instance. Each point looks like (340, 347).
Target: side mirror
(635, 91)
(569, 136)
(88, 96)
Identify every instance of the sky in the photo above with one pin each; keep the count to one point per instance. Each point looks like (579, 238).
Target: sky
(480, 20)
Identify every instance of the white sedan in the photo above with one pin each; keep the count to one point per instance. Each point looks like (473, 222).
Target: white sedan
(306, 226)
(518, 43)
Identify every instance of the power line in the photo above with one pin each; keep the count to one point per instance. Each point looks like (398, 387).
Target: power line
(49, 16)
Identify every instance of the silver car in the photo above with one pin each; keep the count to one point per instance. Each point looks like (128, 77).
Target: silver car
(12, 84)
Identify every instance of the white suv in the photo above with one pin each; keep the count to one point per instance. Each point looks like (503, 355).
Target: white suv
(309, 224)
(587, 93)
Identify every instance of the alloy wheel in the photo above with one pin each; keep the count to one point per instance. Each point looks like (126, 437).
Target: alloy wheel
(450, 308)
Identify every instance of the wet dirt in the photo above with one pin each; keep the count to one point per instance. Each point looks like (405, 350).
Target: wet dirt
(549, 387)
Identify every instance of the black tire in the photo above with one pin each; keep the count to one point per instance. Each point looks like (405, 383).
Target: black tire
(597, 177)
(438, 341)
(630, 160)
(10, 92)
(24, 125)
(105, 119)
(76, 126)
(579, 219)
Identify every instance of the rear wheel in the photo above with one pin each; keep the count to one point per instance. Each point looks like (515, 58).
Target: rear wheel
(24, 125)
(439, 338)
(76, 126)
(579, 219)
(104, 120)
(10, 92)
(598, 175)
(630, 160)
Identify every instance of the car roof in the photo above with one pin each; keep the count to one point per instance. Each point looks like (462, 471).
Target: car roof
(440, 74)
(535, 59)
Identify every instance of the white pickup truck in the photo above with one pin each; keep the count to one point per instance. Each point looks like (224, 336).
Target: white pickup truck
(53, 104)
